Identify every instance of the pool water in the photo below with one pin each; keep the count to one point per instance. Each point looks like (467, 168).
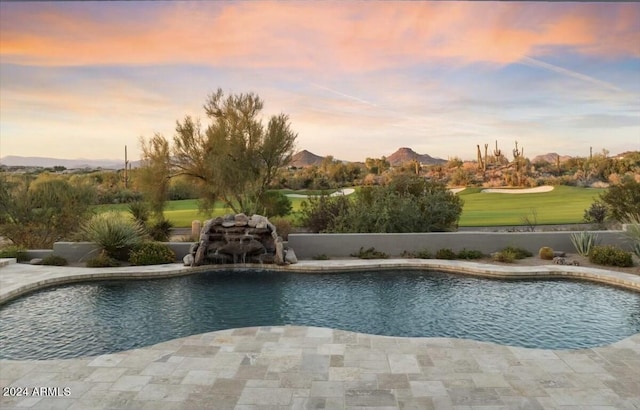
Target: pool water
(105, 317)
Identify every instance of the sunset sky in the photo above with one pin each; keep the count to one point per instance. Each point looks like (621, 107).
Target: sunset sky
(83, 79)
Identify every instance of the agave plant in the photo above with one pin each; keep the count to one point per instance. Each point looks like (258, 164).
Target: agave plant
(632, 231)
(584, 241)
(114, 233)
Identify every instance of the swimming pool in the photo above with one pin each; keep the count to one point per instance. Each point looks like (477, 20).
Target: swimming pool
(105, 317)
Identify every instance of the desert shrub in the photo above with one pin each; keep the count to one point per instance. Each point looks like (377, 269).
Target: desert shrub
(470, 254)
(633, 232)
(406, 204)
(505, 256)
(126, 196)
(35, 214)
(102, 261)
(520, 253)
(283, 227)
(623, 199)
(151, 253)
(318, 213)
(596, 213)
(320, 257)
(545, 253)
(160, 230)
(14, 251)
(370, 253)
(610, 256)
(140, 212)
(584, 242)
(113, 233)
(274, 203)
(422, 254)
(445, 253)
(54, 260)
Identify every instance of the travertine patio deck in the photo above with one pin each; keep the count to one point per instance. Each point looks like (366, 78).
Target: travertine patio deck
(291, 367)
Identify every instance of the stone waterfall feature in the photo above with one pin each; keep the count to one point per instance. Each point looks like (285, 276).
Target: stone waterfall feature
(239, 239)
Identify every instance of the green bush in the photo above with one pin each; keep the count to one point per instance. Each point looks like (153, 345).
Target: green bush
(546, 253)
(35, 214)
(113, 233)
(14, 251)
(319, 213)
(445, 253)
(422, 254)
(274, 203)
(596, 213)
(584, 242)
(519, 253)
(151, 253)
(320, 257)
(506, 256)
(610, 256)
(633, 233)
(470, 254)
(54, 260)
(102, 261)
(406, 204)
(370, 253)
(140, 211)
(161, 230)
(623, 199)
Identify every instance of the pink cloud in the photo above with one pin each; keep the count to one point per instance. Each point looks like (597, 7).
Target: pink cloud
(312, 35)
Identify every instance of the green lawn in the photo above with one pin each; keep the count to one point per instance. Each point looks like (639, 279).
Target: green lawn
(563, 205)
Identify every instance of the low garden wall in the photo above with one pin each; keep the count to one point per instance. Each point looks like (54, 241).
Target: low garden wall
(307, 246)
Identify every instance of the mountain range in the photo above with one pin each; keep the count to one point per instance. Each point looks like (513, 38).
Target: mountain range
(404, 155)
(300, 159)
(46, 162)
(550, 158)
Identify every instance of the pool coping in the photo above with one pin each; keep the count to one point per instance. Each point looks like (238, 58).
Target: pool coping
(299, 367)
(19, 279)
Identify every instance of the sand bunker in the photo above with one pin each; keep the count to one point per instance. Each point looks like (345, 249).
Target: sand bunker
(456, 190)
(538, 189)
(345, 191)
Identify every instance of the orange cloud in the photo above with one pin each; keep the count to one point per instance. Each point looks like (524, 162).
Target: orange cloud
(311, 35)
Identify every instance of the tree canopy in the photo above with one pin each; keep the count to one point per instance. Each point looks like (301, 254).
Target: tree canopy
(234, 159)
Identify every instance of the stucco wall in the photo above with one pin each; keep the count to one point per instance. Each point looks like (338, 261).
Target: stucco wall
(81, 251)
(340, 245)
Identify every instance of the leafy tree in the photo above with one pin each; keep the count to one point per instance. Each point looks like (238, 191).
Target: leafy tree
(235, 158)
(35, 214)
(153, 175)
(623, 199)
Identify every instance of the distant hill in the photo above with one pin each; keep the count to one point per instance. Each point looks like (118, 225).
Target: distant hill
(45, 162)
(550, 158)
(305, 158)
(404, 154)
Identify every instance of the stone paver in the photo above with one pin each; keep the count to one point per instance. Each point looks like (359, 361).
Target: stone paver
(316, 380)
(292, 367)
